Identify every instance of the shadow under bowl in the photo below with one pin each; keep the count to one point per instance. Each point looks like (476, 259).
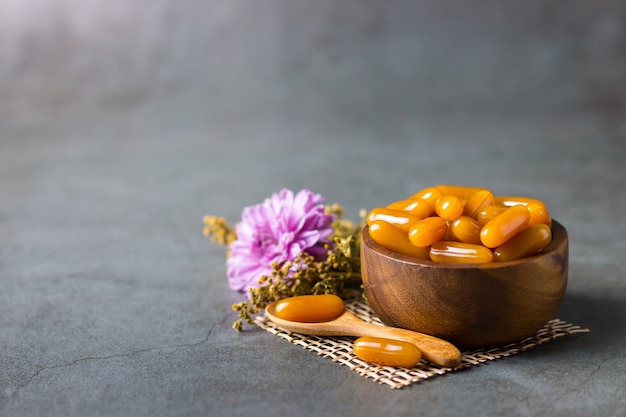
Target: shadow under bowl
(470, 305)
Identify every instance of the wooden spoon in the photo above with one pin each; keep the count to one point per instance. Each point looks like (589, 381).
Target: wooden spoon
(433, 349)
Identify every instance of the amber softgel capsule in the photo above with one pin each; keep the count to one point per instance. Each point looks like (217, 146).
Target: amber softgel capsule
(387, 352)
(504, 226)
(465, 229)
(449, 207)
(430, 194)
(477, 202)
(399, 218)
(489, 212)
(310, 308)
(428, 231)
(395, 239)
(528, 242)
(463, 192)
(460, 253)
(416, 206)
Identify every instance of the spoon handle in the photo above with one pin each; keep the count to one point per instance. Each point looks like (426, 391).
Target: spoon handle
(433, 349)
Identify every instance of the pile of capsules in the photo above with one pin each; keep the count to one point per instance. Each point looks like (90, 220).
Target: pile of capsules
(459, 224)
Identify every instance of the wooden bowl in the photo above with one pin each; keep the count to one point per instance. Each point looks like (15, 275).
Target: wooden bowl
(469, 305)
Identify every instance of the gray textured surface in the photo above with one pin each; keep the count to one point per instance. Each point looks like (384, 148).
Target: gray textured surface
(122, 124)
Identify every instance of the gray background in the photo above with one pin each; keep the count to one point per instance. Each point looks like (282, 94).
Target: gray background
(123, 122)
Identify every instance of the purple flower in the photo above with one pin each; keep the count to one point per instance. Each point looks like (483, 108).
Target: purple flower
(277, 230)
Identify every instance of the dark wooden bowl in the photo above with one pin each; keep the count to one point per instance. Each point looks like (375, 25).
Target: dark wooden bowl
(469, 305)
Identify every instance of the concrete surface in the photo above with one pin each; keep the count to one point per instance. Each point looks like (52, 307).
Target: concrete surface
(123, 122)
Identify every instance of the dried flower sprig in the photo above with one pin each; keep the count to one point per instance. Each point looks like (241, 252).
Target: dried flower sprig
(218, 229)
(335, 272)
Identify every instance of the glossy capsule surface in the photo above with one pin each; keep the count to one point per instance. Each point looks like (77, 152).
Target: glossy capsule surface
(401, 219)
(456, 213)
(528, 242)
(489, 212)
(511, 201)
(428, 231)
(465, 229)
(395, 239)
(430, 194)
(538, 214)
(462, 191)
(416, 206)
(449, 207)
(459, 252)
(387, 352)
(477, 202)
(310, 308)
(504, 226)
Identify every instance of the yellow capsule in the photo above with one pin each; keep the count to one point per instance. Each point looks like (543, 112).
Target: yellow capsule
(489, 212)
(310, 308)
(417, 206)
(511, 201)
(461, 191)
(430, 194)
(401, 219)
(428, 231)
(538, 214)
(504, 226)
(465, 229)
(394, 239)
(528, 242)
(477, 201)
(387, 352)
(449, 207)
(460, 253)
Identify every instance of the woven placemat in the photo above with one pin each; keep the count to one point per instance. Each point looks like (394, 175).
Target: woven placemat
(339, 349)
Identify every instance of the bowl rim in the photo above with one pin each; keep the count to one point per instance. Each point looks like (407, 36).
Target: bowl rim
(559, 236)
